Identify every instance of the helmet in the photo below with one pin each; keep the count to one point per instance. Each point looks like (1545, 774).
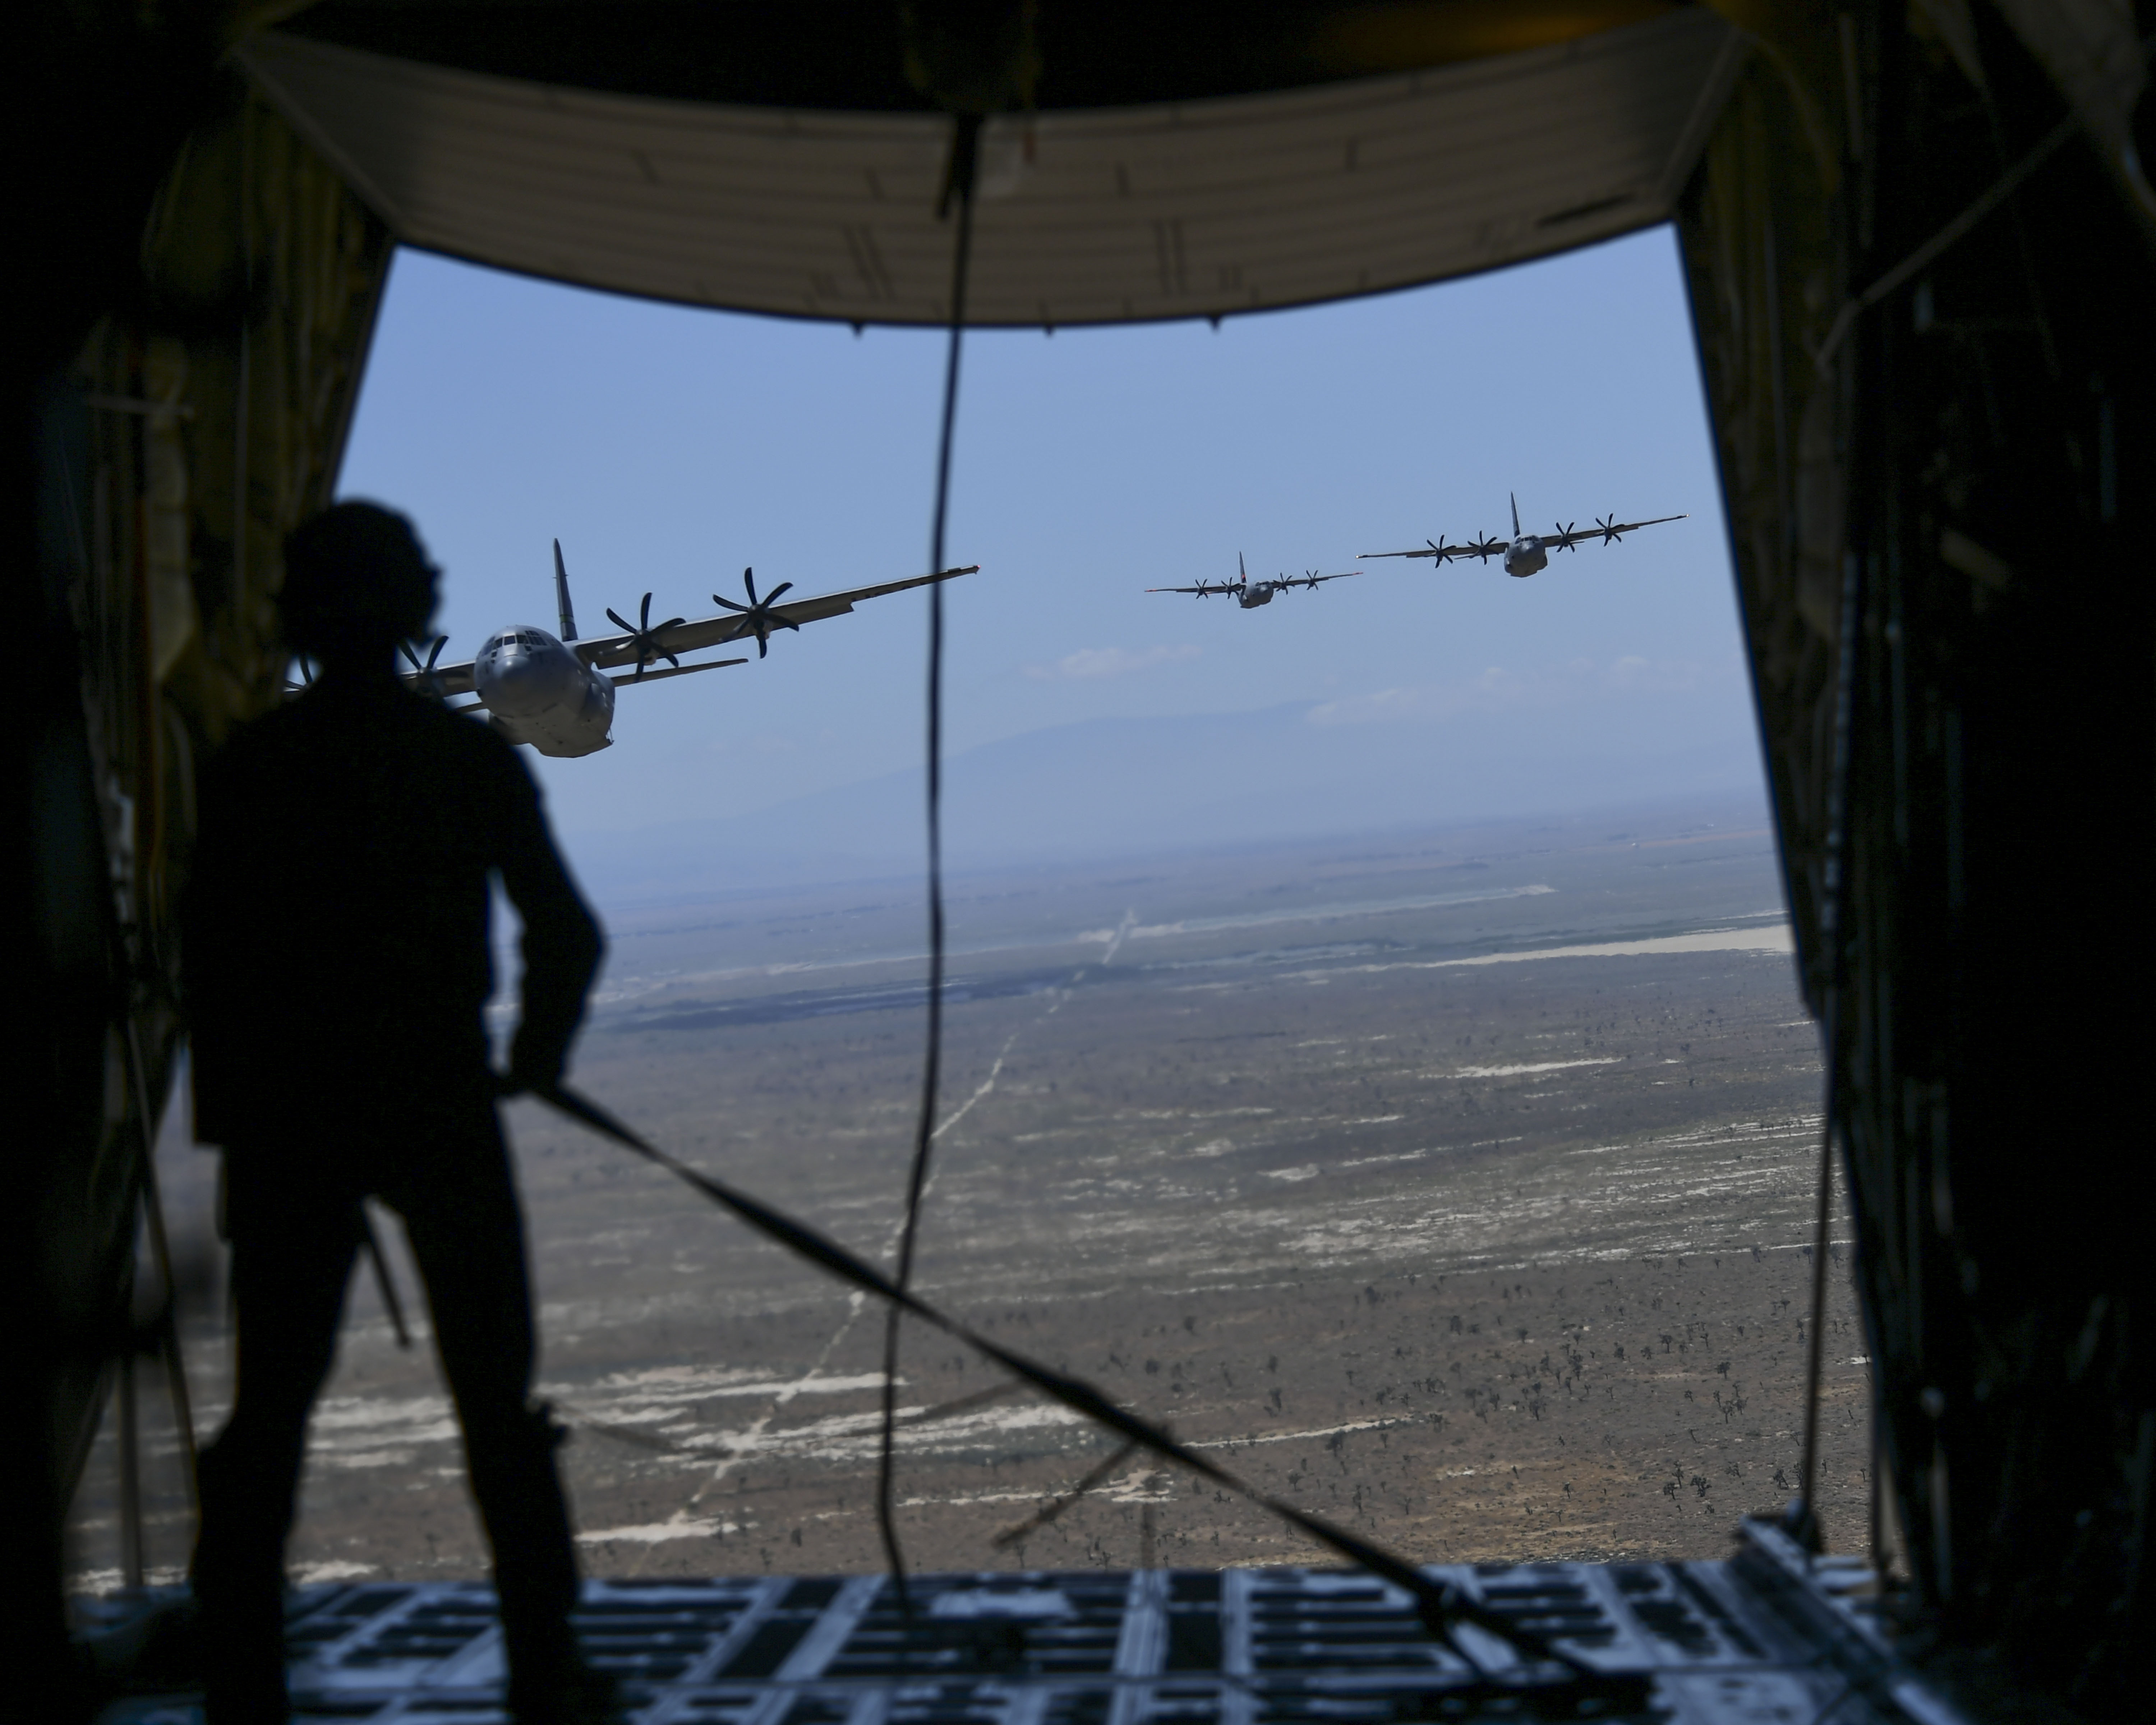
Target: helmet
(356, 581)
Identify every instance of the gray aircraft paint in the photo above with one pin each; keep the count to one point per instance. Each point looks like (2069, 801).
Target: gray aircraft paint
(537, 691)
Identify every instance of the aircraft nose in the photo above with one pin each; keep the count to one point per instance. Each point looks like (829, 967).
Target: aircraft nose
(513, 682)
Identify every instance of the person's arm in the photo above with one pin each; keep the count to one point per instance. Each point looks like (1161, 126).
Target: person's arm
(561, 945)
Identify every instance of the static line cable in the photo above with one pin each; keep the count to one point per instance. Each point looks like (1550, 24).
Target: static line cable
(1019, 1531)
(1808, 1487)
(1805, 1523)
(370, 1243)
(1441, 1605)
(963, 155)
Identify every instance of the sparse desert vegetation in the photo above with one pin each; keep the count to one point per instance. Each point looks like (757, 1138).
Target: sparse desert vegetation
(1487, 1259)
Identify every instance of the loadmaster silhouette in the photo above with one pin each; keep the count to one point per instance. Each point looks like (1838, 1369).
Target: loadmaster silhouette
(337, 964)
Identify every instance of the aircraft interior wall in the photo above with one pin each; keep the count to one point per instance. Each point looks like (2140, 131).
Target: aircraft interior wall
(203, 418)
(1942, 560)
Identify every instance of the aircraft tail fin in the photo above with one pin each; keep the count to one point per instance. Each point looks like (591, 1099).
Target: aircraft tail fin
(1514, 495)
(562, 605)
(1240, 569)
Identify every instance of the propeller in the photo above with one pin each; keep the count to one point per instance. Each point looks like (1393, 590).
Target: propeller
(1568, 544)
(1611, 530)
(1485, 547)
(426, 671)
(645, 638)
(756, 615)
(1436, 547)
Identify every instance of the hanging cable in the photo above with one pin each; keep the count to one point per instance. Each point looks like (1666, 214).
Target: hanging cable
(1808, 1528)
(964, 152)
(1803, 1521)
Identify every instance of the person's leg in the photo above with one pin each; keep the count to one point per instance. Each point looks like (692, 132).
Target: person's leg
(292, 1249)
(467, 1234)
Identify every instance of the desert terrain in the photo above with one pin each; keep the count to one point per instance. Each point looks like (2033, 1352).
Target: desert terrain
(1457, 1186)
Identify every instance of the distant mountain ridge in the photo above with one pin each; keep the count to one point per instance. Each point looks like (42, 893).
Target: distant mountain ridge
(1108, 787)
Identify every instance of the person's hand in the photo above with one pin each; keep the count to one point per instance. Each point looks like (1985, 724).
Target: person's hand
(531, 1069)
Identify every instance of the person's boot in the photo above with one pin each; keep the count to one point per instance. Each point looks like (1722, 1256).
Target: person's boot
(242, 1642)
(239, 1580)
(563, 1691)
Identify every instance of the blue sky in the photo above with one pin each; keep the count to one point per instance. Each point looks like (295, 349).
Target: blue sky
(668, 447)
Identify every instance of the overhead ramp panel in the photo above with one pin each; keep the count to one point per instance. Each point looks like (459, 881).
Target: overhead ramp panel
(1188, 209)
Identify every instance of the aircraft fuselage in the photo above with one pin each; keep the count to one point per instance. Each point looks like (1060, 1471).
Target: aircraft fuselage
(1525, 555)
(1250, 598)
(538, 691)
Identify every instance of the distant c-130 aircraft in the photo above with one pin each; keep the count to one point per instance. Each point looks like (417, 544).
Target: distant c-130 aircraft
(553, 693)
(1525, 553)
(1251, 594)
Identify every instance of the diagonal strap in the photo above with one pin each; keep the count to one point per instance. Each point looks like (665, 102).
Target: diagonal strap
(1439, 1604)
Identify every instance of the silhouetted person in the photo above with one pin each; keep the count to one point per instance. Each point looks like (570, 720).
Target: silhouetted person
(337, 962)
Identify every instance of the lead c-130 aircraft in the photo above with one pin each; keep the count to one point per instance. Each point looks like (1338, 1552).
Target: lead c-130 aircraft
(1526, 552)
(553, 693)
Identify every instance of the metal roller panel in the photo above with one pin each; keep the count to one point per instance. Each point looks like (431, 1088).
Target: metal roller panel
(1771, 1636)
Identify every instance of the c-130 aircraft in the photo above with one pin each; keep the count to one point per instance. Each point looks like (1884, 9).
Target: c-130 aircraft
(1251, 594)
(1527, 552)
(552, 692)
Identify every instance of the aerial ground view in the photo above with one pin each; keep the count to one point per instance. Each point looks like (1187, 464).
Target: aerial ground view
(1457, 1185)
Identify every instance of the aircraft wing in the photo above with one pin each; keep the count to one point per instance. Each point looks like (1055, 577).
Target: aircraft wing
(607, 650)
(1204, 591)
(1440, 550)
(1604, 532)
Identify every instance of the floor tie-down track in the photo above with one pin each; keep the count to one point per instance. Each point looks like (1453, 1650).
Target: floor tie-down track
(1760, 1640)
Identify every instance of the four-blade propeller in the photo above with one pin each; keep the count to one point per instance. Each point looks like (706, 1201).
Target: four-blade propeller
(427, 677)
(757, 618)
(645, 638)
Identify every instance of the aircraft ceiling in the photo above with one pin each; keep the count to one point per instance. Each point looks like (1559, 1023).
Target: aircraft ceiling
(712, 156)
